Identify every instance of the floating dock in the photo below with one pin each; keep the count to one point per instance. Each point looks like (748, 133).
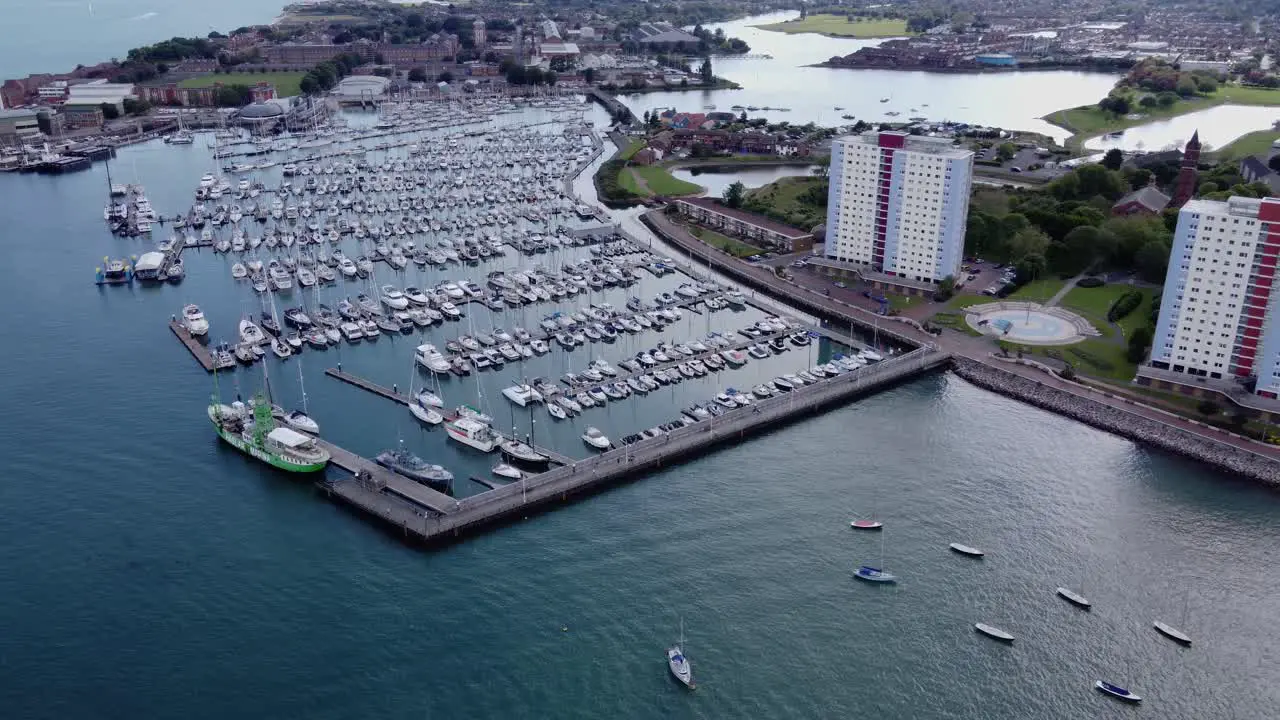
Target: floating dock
(201, 353)
(470, 514)
(378, 479)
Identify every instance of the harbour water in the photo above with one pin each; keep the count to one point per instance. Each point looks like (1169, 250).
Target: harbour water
(812, 94)
(86, 32)
(154, 571)
(717, 182)
(1218, 126)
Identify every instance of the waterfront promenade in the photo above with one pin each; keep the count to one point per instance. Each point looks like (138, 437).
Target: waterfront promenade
(764, 280)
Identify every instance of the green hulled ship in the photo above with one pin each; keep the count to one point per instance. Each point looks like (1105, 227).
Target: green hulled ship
(253, 431)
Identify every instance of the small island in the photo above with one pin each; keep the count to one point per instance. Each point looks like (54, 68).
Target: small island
(847, 26)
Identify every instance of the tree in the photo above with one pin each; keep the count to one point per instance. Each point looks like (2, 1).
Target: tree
(135, 107)
(1152, 261)
(946, 289)
(109, 111)
(1006, 151)
(379, 59)
(705, 71)
(1148, 101)
(733, 195)
(1208, 408)
(1274, 163)
(1113, 159)
(1138, 342)
(1186, 87)
(1139, 178)
(308, 85)
(418, 75)
(445, 77)
(1029, 268)
(589, 75)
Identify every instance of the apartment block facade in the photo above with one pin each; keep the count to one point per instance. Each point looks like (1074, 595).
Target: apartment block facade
(898, 204)
(1220, 312)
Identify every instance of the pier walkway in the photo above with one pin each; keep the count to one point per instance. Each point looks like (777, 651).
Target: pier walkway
(199, 351)
(378, 478)
(627, 461)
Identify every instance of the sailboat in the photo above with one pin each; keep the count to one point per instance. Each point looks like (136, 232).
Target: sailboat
(1171, 632)
(678, 664)
(298, 419)
(876, 574)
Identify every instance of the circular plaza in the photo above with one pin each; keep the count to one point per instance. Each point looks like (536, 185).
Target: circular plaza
(1029, 323)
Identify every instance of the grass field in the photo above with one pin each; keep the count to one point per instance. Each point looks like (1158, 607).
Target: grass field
(1094, 303)
(1038, 291)
(1254, 143)
(735, 248)
(783, 197)
(840, 26)
(627, 181)
(286, 83)
(633, 146)
(661, 182)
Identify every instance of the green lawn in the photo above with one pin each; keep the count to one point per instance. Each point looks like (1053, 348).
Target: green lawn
(286, 83)
(627, 181)
(955, 321)
(902, 302)
(633, 146)
(1238, 95)
(959, 302)
(782, 198)
(661, 182)
(1254, 143)
(735, 248)
(840, 26)
(1093, 303)
(1038, 291)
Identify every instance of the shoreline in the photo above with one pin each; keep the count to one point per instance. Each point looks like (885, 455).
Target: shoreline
(1131, 426)
(992, 70)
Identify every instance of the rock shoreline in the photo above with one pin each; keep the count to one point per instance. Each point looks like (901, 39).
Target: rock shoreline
(1119, 422)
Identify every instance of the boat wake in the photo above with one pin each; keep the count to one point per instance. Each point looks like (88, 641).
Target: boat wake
(145, 16)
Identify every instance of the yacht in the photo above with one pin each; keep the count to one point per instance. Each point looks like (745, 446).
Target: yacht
(415, 468)
(423, 410)
(472, 432)
(431, 359)
(250, 333)
(596, 439)
(393, 298)
(194, 321)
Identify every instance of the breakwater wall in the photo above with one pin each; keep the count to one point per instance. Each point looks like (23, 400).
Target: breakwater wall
(1130, 425)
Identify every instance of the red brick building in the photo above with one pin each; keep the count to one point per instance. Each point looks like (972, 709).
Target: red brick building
(750, 227)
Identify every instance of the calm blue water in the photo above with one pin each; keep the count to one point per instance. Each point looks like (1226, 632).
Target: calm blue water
(152, 572)
(56, 35)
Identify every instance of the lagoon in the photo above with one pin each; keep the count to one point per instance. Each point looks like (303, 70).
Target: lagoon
(1016, 100)
(1218, 126)
(716, 182)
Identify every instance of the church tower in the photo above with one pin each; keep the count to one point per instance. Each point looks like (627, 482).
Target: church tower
(1185, 187)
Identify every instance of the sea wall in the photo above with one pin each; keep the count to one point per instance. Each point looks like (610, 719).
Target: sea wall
(1114, 420)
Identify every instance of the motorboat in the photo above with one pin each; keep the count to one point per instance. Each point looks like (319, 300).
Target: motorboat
(431, 359)
(557, 412)
(194, 320)
(251, 333)
(280, 348)
(415, 468)
(239, 271)
(1117, 692)
(351, 331)
(993, 632)
(1172, 633)
(415, 296)
(297, 317)
(596, 439)
(393, 298)
(471, 432)
(522, 394)
(762, 391)
(866, 524)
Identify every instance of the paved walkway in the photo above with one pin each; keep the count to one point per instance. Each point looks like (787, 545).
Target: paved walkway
(1066, 288)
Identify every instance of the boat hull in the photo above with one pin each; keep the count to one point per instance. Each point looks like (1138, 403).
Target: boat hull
(274, 460)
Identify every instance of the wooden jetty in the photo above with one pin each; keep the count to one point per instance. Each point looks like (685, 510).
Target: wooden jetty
(629, 461)
(376, 389)
(385, 481)
(198, 350)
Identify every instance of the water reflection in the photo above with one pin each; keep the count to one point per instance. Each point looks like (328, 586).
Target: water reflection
(1218, 126)
(716, 182)
(1010, 100)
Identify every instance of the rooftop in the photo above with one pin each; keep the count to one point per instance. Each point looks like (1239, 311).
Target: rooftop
(1148, 197)
(759, 221)
(943, 147)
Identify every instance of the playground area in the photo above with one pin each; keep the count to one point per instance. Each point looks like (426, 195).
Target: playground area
(1029, 323)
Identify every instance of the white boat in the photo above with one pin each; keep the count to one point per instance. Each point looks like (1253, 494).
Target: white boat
(194, 320)
(596, 439)
(473, 433)
(1117, 692)
(510, 472)
(966, 550)
(299, 420)
(873, 574)
(1075, 598)
(238, 271)
(393, 298)
(522, 394)
(866, 524)
(556, 411)
(431, 359)
(425, 413)
(993, 632)
(679, 665)
(1172, 633)
(250, 333)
